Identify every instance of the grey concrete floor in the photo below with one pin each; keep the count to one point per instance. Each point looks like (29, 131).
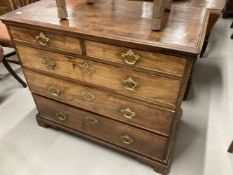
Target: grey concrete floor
(204, 133)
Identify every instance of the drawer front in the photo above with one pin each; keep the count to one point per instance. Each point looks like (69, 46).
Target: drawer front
(125, 136)
(46, 39)
(153, 89)
(101, 102)
(135, 58)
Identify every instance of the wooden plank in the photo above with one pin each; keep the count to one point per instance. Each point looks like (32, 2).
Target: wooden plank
(61, 9)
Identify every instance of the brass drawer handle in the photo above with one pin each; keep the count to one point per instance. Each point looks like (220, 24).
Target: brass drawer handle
(61, 116)
(128, 113)
(88, 95)
(91, 120)
(126, 139)
(130, 84)
(42, 39)
(54, 90)
(49, 63)
(130, 58)
(86, 69)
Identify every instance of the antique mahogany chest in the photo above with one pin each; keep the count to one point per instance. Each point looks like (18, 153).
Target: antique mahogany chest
(104, 75)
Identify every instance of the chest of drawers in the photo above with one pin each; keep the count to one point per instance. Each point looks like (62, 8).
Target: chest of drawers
(108, 77)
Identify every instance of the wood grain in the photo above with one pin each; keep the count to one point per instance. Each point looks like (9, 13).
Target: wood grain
(149, 60)
(152, 89)
(103, 21)
(56, 41)
(16, 4)
(147, 117)
(103, 128)
(159, 167)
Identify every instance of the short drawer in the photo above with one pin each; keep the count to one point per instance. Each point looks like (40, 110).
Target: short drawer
(144, 116)
(137, 58)
(125, 136)
(46, 39)
(153, 89)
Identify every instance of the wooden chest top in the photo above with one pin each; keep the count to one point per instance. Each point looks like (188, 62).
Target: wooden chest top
(121, 20)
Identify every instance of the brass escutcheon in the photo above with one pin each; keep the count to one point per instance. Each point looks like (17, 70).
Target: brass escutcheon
(91, 120)
(42, 40)
(61, 116)
(128, 113)
(88, 95)
(126, 139)
(49, 63)
(86, 69)
(130, 58)
(54, 90)
(130, 84)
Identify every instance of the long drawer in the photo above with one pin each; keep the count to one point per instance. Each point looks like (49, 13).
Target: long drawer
(127, 137)
(46, 39)
(153, 89)
(137, 58)
(104, 103)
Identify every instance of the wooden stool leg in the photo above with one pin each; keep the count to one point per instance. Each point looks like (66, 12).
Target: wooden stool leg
(230, 150)
(168, 5)
(11, 71)
(158, 10)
